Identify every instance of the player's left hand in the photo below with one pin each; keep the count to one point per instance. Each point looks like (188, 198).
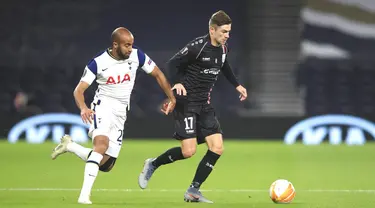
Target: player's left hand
(243, 92)
(168, 106)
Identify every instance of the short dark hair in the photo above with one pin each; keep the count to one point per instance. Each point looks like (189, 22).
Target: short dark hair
(220, 18)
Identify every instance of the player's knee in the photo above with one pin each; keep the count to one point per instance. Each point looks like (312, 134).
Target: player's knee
(189, 147)
(217, 148)
(101, 144)
(102, 148)
(189, 152)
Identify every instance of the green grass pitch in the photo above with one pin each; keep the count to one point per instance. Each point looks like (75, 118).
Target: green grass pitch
(324, 176)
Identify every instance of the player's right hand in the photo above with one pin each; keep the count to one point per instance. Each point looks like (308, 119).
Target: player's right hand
(180, 89)
(168, 106)
(87, 115)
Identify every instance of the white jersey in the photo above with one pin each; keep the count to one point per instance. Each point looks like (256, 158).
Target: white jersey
(116, 78)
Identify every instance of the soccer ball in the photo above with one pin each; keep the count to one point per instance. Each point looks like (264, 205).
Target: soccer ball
(282, 191)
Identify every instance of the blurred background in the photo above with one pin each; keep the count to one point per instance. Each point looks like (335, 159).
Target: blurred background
(298, 59)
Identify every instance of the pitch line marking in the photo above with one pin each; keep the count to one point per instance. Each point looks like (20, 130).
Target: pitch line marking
(183, 190)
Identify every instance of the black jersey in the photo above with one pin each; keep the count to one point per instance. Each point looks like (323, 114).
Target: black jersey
(197, 67)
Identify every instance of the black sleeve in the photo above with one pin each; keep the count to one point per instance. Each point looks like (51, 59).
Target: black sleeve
(177, 65)
(228, 73)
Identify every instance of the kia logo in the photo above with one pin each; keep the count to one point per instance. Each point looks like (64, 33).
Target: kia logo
(39, 127)
(313, 130)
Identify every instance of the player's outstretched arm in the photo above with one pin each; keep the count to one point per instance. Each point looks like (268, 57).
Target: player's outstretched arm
(86, 113)
(228, 73)
(164, 84)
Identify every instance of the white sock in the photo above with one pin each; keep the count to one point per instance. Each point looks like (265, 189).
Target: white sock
(91, 171)
(80, 151)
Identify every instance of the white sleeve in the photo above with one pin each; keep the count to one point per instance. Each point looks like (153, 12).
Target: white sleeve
(89, 75)
(145, 62)
(149, 65)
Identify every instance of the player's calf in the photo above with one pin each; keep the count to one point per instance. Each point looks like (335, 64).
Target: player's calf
(205, 167)
(93, 163)
(91, 171)
(215, 143)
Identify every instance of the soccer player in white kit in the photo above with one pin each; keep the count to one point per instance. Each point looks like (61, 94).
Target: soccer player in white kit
(114, 70)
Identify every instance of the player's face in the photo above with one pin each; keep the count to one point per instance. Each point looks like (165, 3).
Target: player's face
(124, 47)
(221, 34)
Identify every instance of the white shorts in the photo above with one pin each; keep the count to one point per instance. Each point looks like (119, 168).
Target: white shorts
(108, 121)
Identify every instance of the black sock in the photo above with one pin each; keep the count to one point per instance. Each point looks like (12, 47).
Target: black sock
(169, 156)
(204, 168)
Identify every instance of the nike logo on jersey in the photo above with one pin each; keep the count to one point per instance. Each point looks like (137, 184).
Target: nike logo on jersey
(104, 69)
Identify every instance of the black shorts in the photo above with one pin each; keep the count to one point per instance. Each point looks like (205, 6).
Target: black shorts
(197, 121)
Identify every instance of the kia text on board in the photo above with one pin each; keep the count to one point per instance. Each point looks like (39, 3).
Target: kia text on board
(315, 129)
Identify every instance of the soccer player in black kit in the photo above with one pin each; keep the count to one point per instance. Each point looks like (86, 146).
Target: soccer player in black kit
(196, 68)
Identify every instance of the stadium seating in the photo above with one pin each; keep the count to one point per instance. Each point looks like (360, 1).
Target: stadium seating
(337, 86)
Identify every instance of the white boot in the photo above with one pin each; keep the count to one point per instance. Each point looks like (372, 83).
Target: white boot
(62, 147)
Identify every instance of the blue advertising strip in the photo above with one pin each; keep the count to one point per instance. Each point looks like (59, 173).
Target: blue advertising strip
(334, 129)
